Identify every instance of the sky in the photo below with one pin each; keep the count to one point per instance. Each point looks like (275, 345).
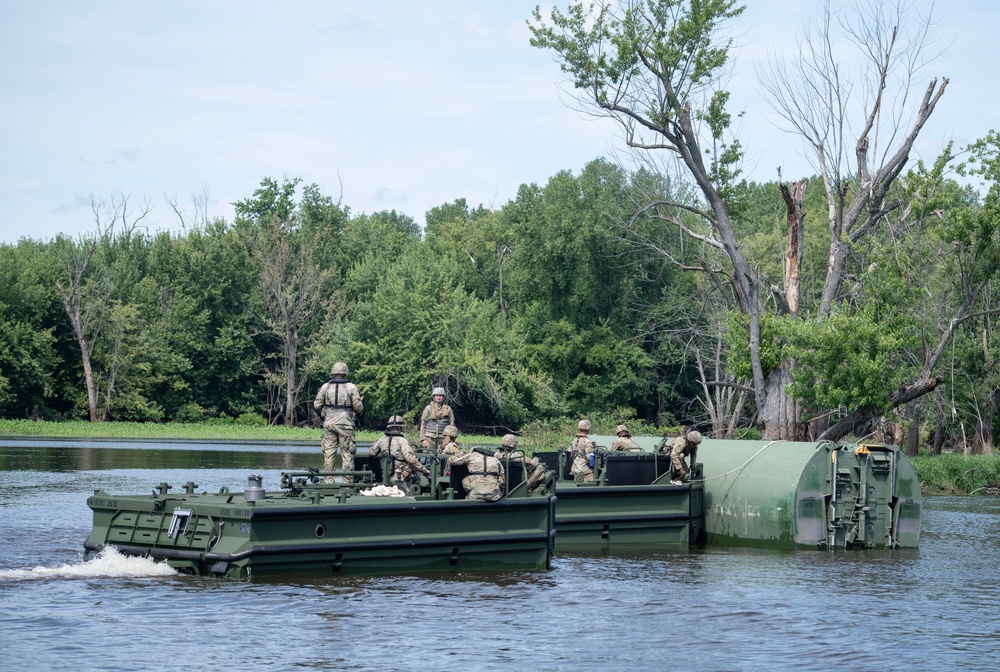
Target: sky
(385, 105)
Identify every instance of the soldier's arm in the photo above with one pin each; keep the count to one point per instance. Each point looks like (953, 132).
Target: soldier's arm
(415, 463)
(356, 401)
(423, 423)
(319, 401)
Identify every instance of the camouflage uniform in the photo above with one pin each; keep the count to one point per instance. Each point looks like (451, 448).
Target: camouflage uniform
(485, 480)
(453, 448)
(404, 462)
(534, 470)
(435, 417)
(681, 446)
(338, 401)
(624, 440)
(582, 447)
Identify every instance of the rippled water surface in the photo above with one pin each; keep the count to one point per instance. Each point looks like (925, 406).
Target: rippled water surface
(935, 608)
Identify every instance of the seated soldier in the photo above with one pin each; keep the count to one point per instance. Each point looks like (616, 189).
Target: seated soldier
(624, 440)
(394, 444)
(534, 470)
(485, 480)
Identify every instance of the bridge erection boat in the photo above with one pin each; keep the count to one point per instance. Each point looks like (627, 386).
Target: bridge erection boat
(631, 502)
(314, 528)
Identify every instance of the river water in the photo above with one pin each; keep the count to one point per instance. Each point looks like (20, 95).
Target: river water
(934, 608)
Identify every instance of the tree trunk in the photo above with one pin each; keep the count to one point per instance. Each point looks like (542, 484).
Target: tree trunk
(291, 390)
(938, 427)
(912, 414)
(71, 304)
(794, 245)
(780, 416)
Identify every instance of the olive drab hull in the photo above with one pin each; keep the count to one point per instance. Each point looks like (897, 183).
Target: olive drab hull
(311, 528)
(630, 504)
(771, 494)
(802, 495)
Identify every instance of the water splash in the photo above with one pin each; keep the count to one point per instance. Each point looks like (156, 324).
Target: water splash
(109, 563)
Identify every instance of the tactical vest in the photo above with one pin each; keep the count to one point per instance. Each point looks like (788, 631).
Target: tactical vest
(485, 469)
(336, 397)
(434, 426)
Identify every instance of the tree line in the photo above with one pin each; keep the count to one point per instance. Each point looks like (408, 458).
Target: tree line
(540, 310)
(860, 301)
(528, 312)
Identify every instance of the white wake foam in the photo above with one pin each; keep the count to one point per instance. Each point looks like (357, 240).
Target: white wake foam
(109, 563)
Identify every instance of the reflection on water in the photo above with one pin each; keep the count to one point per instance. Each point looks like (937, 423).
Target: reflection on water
(71, 456)
(707, 609)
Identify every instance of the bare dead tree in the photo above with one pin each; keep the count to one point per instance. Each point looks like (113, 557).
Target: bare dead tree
(199, 215)
(87, 291)
(292, 290)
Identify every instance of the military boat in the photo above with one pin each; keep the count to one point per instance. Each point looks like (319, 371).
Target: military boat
(314, 528)
(630, 504)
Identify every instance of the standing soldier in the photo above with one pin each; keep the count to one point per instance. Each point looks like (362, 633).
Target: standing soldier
(451, 445)
(624, 440)
(338, 401)
(685, 444)
(534, 470)
(485, 480)
(395, 445)
(582, 449)
(436, 416)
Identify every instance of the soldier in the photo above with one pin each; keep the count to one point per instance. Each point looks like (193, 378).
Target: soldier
(485, 480)
(624, 440)
(436, 416)
(451, 445)
(395, 445)
(582, 449)
(686, 444)
(534, 470)
(338, 401)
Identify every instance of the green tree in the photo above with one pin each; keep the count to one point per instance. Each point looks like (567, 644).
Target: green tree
(419, 328)
(654, 67)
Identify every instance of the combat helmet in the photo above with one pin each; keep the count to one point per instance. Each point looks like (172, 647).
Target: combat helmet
(339, 369)
(622, 429)
(395, 421)
(437, 390)
(509, 441)
(583, 425)
(452, 431)
(694, 437)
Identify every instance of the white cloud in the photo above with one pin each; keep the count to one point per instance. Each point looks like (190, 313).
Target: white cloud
(411, 105)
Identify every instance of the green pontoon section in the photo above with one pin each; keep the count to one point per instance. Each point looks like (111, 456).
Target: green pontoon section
(782, 494)
(322, 530)
(631, 503)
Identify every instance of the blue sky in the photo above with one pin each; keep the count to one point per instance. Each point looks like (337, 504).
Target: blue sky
(396, 105)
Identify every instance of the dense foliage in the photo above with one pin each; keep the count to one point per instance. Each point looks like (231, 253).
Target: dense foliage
(860, 301)
(539, 310)
(524, 313)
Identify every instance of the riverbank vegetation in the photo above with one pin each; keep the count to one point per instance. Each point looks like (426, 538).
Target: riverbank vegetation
(855, 302)
(954, 473)
(949, 473)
